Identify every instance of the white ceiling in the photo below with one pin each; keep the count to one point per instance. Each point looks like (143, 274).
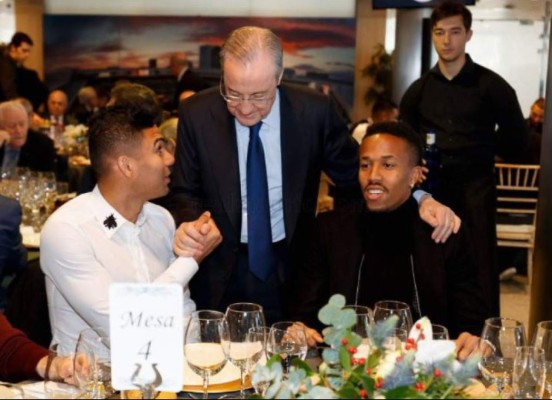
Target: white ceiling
(509, 9)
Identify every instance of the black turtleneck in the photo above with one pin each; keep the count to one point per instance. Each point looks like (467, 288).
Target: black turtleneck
(387, 246)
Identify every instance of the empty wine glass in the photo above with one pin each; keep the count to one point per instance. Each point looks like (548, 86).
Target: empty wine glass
(543, 340)
(240, 318)
(529, 373)
(92, 363)
(440, 332)
(54, 387)
(362, 327)
(289, 341)
(386, 308)
(498, 343)
(258, 337)
(203, 345)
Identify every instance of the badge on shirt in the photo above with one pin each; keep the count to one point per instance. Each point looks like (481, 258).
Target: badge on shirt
(110, 222)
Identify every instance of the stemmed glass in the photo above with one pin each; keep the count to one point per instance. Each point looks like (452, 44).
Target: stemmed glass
(92, 363)
(240, 318)
(258, 337)
(440, 332)
(528, 375)
(543, 340)
(362, 327)
(289, 341)
(498, 343)
(203, 344)
(386, 308)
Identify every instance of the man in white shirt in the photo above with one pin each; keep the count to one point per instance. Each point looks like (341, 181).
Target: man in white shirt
(113, 234)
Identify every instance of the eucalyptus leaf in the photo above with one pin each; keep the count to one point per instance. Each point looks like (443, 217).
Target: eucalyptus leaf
(345, 319)
(337, 300)
(320, 392)
(330, 356)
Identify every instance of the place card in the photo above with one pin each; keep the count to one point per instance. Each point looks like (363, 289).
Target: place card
(146, 327)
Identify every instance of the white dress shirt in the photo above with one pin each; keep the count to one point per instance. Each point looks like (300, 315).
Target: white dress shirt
(81, 254)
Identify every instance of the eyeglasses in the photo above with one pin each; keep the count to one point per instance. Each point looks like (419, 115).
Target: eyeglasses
(257, 100)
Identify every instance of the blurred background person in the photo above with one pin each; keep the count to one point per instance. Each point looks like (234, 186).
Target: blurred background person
(383, 110)
(186, 79)
(14, 56)
(535, 123)
(87, 104)
(56, 110)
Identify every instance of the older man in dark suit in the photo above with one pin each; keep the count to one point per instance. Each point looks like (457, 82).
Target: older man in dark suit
(13, 256)
(251, 152)
(25, 148)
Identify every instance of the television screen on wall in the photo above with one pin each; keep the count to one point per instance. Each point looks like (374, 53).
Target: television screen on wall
(382, 4)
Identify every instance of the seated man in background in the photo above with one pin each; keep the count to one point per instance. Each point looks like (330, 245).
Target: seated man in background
(25, 148)
(13, 255)
(21, 359)
(386, 251)
(87, 105)
(383, 110)
(535, 123)
(114, 234)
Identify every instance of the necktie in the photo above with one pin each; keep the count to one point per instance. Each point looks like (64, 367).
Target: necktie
(259, 231)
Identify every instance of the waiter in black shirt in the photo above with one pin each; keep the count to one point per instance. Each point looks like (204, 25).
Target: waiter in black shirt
(463, 103)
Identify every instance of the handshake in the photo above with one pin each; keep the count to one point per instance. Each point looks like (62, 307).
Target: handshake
(197, 238)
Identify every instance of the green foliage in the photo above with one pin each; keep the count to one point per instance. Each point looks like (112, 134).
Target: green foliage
(380, 70)
(343, 374)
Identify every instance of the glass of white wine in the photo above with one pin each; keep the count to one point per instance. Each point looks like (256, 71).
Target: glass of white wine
(240, 318)
(203, 345)
(499, 340)
(288, 340)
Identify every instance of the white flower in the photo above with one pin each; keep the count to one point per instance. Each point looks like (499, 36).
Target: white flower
(432, 351)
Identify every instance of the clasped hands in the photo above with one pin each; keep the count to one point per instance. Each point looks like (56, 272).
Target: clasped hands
(197, 238)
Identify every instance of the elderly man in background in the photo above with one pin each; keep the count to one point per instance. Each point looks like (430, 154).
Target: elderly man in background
(57, 106)
(251, 151)
(114, 234)
(87, 106)
(25, 147)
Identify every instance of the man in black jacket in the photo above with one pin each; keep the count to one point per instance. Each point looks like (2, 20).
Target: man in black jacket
(383, 250)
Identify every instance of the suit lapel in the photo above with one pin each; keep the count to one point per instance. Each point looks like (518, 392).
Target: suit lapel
(223, 153)
(294, 159)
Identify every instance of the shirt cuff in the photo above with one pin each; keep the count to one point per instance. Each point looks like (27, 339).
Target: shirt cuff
(181, 271)
(419, 193)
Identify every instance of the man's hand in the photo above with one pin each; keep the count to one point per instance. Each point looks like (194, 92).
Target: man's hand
(466, 346)
(313, 337)
(440, 217)
(198, 238)
(4, 137)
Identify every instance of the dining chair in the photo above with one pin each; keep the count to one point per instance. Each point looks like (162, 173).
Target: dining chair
(517, 197)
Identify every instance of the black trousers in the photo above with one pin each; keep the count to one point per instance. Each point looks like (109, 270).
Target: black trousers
(246, 287)
(471, 193)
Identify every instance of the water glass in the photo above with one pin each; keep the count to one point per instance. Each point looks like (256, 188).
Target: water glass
(499, 340)
(365, 320)
(386, 308)
(289, 341)
(258, 338)
(528, 376)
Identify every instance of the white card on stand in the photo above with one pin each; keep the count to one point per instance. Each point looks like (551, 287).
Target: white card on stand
(147, 335)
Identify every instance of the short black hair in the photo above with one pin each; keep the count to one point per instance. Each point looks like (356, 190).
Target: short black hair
(20, 37)
(451, 8)
(403, 131)
(384, 105)
(129, 94)
(114, 129)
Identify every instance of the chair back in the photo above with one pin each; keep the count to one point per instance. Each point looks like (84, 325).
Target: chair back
(517, 188)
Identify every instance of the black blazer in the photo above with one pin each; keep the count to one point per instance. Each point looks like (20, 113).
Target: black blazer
(188, 81)
(206, 174)
(37, 154)
(13, 256)
(446, 275)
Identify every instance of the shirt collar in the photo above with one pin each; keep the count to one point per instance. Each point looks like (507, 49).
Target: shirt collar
(110, 220)
(467, 69)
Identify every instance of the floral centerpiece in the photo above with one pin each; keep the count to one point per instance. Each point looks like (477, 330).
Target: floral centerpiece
(75, 140)
(422, 368)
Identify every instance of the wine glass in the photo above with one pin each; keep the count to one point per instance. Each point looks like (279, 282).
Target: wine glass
(440, 332)
(203, 344)
(386, 308)
(362, 327)
(396, 341)
(240, 317)
(543, 340)
(528, 377)
(54, 387)
(498, 343)
(289, 341)
(92, 363)
(258, 337)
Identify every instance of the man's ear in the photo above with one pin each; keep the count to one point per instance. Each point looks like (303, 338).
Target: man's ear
(415, 175)
(125, 165)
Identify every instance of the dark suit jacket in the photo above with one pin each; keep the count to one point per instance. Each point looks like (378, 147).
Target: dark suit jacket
(8, 77)
(31, 87)
(188, 81)
(206, 174)
(38, 153)
(446, 276)
(13, 256)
